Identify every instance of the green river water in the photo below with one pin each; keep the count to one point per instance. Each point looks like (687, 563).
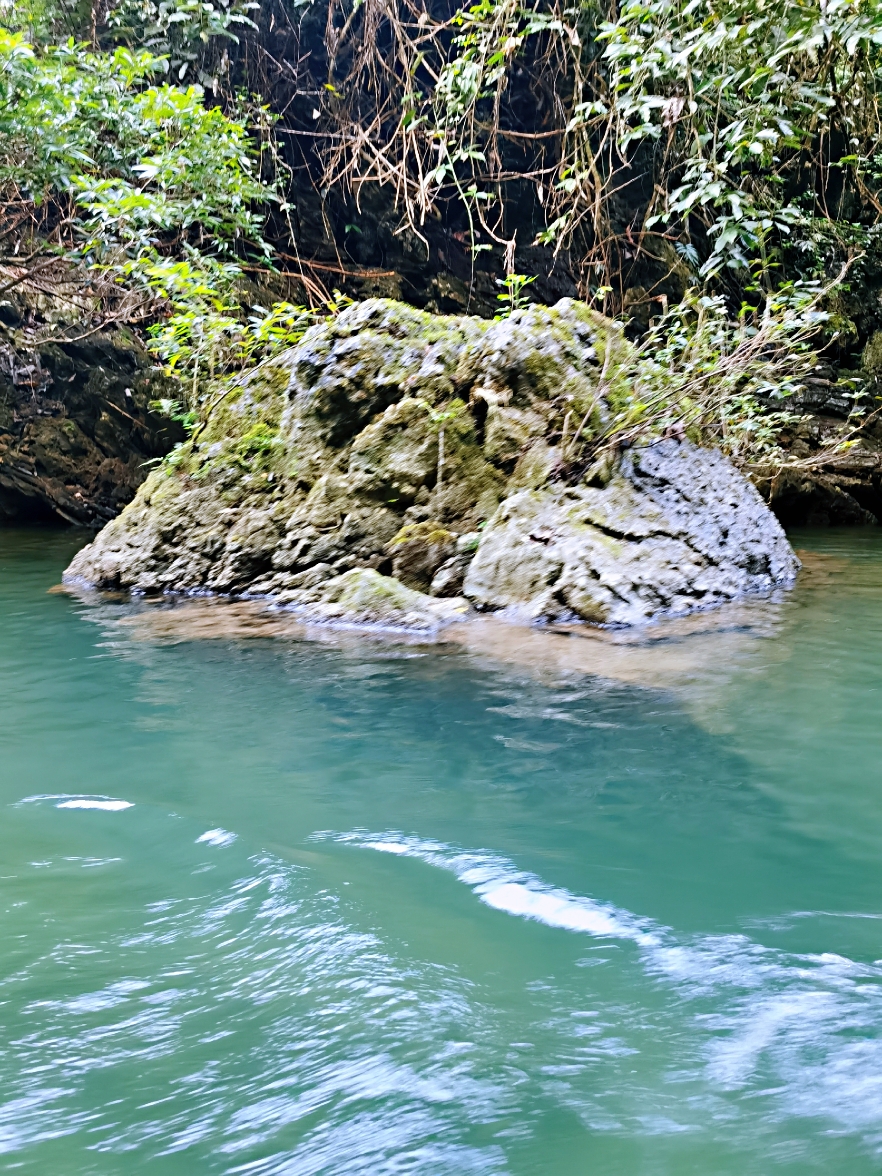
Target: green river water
(278, 906)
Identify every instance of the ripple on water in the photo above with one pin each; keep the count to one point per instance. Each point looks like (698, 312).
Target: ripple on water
(211, 993)
(317, 1067)
(803, 1031)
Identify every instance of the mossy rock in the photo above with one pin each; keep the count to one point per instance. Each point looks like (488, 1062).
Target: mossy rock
(419, 550)
(385, 434)
(364, 598)
(377, 419)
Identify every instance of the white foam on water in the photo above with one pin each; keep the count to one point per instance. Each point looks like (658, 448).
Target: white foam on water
(807, 1026)
(501, 885)
(107, 806)
(67, 800)
(219, 837)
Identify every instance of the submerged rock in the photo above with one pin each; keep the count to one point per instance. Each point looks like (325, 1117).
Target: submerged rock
(364, 598)
(445, 451)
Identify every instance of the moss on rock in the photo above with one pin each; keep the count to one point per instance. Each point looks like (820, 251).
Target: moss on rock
(372, 446)
(365, 598)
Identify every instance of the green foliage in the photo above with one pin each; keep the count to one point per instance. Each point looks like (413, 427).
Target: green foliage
(187, 34)
(46, 21)
(192, 171)
(144, 160)
(207, 335)
(512, 296)
(63, 112)
(176, 411)
(732, 125)
(748, 99)
(721, 381)
(751, 128)
(182, 31)
(162, 186)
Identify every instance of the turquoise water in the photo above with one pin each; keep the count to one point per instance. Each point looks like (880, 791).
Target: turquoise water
(284, 906)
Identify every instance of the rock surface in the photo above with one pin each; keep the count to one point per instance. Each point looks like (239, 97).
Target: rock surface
(76, 427)
(364, 598)
(448, 453)
(677, 529)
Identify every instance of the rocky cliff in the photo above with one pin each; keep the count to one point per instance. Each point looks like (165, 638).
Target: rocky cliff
(397, 459)
(76, 426)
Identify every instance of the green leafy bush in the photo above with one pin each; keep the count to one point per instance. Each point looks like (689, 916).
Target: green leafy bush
(146, 161)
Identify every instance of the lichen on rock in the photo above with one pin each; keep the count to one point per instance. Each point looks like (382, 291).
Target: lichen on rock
(434, 448)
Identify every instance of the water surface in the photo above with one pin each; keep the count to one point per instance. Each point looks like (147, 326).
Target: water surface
(279, 906)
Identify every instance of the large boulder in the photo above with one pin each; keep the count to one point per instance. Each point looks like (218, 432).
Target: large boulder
(451, 454)
(677, 528)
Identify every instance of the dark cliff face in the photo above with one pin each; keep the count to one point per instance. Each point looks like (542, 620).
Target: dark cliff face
(76, 428)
